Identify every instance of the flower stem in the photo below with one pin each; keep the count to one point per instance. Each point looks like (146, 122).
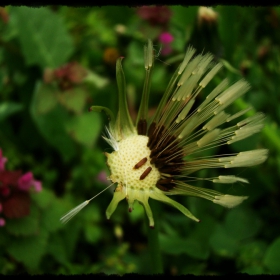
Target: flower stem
(153, 241)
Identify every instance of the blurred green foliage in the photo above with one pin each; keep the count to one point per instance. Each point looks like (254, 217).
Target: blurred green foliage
(45, 126)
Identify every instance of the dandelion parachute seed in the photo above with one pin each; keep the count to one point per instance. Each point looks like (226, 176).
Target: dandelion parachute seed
(154, 158)
(77, 209)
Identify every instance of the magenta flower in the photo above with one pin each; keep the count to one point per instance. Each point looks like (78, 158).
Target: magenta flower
(14, 192)
(2, 161)
(166, 39)
(2, 222)
(26, 181)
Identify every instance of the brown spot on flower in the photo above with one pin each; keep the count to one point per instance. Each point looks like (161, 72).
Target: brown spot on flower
(145, 173)
(140, 163)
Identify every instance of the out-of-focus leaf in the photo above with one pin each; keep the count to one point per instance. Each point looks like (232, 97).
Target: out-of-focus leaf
(85, 128)
(158, 83)
(52, 127)
(192, 247)
(227, 30)
(93, 233)
(51, 216)
(135, 52)
(241, 223)
(5, 239)
(43, 199)
(57, 248)
(251, 253)
(9, 108)
(28, 225)
(43, 36)
(96, 80)
(222, 243)
(183, 16)
(45, 98)
(272, 256)
(29, 250)
(74, 226)
(74, 99)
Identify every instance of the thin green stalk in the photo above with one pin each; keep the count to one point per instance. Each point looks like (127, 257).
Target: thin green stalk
(153, 242)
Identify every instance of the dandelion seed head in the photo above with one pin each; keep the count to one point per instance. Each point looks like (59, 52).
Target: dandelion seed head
(122, 164)
(155, 158)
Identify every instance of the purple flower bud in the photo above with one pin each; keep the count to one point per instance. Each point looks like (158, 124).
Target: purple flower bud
(166, 38)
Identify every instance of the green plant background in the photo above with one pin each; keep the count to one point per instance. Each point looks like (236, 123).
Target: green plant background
(52, 134)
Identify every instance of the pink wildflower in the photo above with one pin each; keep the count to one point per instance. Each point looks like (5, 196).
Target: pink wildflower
(166, 39)
(27, 181)
(2, 222)
(14, 192)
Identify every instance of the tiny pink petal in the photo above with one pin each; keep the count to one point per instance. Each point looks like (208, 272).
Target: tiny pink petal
(166, 50)
(25, 181)
(37, 185)
(166, 38)
(2, 222)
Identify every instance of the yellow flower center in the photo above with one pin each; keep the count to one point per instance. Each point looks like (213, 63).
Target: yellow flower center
(130, 165)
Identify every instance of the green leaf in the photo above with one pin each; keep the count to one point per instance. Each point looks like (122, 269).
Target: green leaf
(28, 225)
(43, 199)
(85, 128)
(272, 256)
(251, 253)
(96, 80)
(242, 223)
(5, 239)
(52, 127)
(51, 216)
(183, 17)
(227, 30)
(29, 250)
(222, 243)
(57, 248)
(93, 233)
(71, 235)
(9, 108)
(45, 98)
(192, 247)
(74, 99)
(42, 35)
